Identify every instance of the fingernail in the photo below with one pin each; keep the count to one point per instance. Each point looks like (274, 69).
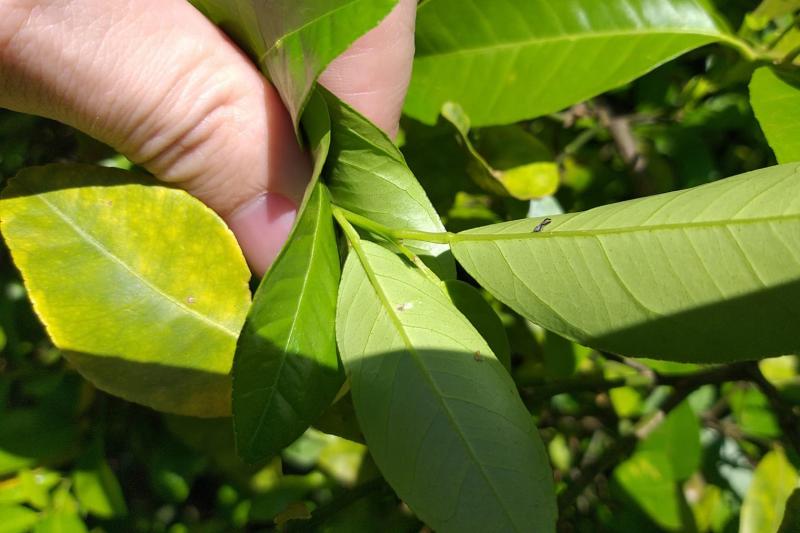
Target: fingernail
(261, 226)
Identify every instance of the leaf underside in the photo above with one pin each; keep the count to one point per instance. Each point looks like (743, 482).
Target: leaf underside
(709, 274)
(440, 414)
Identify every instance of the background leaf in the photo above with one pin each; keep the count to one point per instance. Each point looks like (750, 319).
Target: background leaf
(774, 480)
(17, 518)
(675, 276)
(791, 515)
(518, 59)
(515, 170)
(678, 438)
(648, 480)
(96, 486)
(440, 415)
(102, 252)
(775, 97)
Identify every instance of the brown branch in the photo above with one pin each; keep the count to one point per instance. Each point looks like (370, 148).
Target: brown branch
(786, 414)
(683, 386)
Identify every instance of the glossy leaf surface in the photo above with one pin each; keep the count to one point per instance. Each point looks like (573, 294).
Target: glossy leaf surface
(238, 19)
(763, 507)
(676, 276)
(440, 414)
(511, 60)
(292, 41)
(286, 372)
(775, 97)
(102, 253)
(367, 174)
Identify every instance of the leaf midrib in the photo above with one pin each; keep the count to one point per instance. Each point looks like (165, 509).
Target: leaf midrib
(114, 258)
(300, 298)
(395, 319)
(287, 35)
(576, 37)
(556, 233)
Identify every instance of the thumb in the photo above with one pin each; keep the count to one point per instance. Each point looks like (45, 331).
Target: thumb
(162, 85)
(373, 74)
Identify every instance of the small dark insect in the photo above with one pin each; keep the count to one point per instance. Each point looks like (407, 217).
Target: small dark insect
(540, 226)
(477, 356)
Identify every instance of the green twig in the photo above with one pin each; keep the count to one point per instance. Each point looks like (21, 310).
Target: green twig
(391, 233)
(743, 47)
(342, 215)
(789, 58)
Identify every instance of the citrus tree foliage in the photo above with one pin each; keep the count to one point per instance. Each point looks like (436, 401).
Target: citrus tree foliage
(565, 298)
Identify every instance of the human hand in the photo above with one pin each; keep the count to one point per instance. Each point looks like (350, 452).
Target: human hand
(163, 86)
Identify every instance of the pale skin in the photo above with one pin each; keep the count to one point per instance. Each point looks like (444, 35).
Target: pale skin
(161, 84)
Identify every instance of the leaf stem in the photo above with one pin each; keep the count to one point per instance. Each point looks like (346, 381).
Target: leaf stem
(744, 49)
(341, 216)
(789, 58)
(391, 233)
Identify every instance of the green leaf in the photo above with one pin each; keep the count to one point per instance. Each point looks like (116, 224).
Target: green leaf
(303, 38)
(678, 438)
(340, 420)
(63, 516)
(791, 515)
(35, 486)
(752, 412)
(522, 178)
(775, 97)
(774, 480)
(518, 59)
(367, 174)
(469, 301)
(648, 480)
(294, 42)
(286, 372)
(707, 274)
(440, 414)
(104, 251)
(768, 10)
(17, 518)
(96, 486)
(61, 522)
(21, 442)
(238, 19)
